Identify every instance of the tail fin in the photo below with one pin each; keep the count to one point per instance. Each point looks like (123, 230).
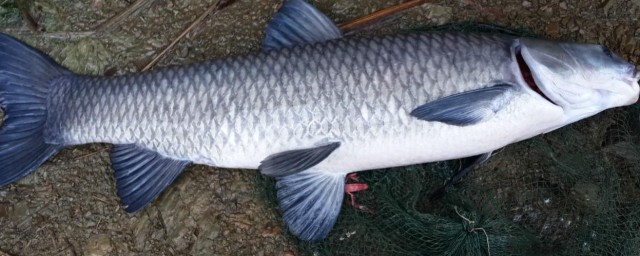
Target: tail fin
(25, 76)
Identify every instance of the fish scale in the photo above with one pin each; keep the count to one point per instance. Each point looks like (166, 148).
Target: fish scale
(224, 112)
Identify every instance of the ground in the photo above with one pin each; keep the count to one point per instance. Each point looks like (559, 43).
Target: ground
(69, 205)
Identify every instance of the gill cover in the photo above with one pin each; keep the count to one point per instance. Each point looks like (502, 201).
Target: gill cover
(583, 79)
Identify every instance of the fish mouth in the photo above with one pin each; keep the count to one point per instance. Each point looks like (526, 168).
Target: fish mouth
(527, 75)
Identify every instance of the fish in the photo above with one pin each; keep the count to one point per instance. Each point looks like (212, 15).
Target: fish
(310, 108)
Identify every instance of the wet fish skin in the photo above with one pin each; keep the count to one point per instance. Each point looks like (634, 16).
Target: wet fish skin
(236, 112)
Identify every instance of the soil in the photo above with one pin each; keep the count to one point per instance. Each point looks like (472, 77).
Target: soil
(69, 205)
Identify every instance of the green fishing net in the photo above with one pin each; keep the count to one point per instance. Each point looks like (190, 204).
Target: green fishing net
(574, 191)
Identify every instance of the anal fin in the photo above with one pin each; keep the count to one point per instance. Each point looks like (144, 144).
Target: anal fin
(141, 174)
(310, 202)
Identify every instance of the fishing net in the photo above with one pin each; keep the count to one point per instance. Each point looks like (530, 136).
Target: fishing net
(575, 191)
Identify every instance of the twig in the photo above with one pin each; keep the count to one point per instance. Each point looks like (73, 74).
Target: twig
(85, 155)
(212, 9)
(24, 10)
(471, 228)
(120, 17)
(97, 225)
(346, 26)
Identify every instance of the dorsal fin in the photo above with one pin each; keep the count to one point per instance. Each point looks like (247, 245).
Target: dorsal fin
(142, 174)
(299, 23)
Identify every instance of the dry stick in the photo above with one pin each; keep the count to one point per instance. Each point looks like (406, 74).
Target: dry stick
(346, 26)
(85, 155)
(120, 17)
(31, 22)
(213, 8)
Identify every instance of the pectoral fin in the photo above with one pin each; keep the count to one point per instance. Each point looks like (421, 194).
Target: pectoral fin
(310, 202)
(142, 174)
(466, 108)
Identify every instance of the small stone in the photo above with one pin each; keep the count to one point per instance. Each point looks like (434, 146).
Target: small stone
(98, 4)
(98, 245)
(288, 253)
(546, 10)
(271, 232)
(241, 225)
(526, 4)
(563, 5)
(553, 30)
(438, 14)
(213, 234)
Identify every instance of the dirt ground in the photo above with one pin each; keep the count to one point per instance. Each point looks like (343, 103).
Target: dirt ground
(69, 205)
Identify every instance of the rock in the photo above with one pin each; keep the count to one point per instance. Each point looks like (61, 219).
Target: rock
(98, 245)
(526, 4)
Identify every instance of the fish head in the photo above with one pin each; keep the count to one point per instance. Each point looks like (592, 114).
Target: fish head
(583, 79)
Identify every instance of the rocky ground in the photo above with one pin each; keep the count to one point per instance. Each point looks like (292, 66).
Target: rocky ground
(69, 205)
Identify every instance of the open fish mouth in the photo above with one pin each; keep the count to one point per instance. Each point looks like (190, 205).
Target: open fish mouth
(527, 76)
